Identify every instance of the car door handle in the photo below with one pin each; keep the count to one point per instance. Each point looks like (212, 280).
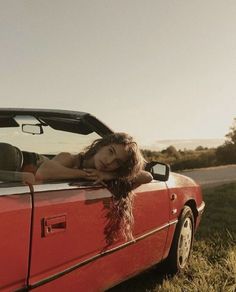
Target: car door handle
(173, 197)
(54, 225)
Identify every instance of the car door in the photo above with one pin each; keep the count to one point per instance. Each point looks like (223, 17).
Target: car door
(151, 213)
(67, 228)
(69, 244)
(15, 222)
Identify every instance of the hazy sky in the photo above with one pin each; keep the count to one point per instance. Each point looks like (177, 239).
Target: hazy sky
(156, 69)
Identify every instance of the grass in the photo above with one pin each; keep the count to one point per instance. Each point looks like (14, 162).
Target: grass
(212, 265)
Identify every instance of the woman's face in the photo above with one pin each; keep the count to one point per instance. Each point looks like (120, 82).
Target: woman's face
(110, 157)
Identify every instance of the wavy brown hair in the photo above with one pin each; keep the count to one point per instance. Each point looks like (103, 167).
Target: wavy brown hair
(120, 215)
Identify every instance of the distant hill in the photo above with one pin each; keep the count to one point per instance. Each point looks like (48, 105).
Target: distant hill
(190, 144)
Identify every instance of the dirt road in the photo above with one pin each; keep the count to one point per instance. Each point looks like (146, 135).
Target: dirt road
(213, 175)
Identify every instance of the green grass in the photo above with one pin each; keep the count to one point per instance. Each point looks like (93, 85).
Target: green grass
(212, 265)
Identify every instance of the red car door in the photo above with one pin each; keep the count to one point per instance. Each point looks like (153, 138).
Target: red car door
(69, 245)
(15, 222)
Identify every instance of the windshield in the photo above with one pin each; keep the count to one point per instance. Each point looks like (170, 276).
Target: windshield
(50, 142)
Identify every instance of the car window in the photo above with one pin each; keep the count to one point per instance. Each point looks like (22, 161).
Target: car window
(49, 143)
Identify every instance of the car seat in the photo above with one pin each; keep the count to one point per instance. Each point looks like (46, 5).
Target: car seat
(11, 157)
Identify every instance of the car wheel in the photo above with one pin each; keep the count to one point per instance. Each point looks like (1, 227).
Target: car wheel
(182, 242)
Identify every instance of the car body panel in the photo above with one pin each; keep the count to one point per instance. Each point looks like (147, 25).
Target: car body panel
(15, 224)
(109, 270)
(76, 244)
(182, 190)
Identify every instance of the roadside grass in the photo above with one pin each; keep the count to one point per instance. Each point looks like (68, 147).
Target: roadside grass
(212, 265)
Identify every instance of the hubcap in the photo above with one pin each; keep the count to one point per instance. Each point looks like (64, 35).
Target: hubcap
(185, 241)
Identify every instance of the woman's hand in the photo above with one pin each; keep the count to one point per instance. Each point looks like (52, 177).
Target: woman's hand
(99, 176)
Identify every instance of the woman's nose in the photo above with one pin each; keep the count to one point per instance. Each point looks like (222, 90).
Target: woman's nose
(110, 160)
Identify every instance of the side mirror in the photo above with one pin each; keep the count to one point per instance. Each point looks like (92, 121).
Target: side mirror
(36, 129)
(160, 171)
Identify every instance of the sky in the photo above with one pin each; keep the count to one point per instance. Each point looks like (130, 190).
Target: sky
(155, 69)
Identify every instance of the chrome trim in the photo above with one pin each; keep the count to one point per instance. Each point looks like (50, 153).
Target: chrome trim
(87, 192)
(80, 185)
(55, 187)
(92, 191)
(14, 190)
(102, 254)
(152, 232)
(201, 208)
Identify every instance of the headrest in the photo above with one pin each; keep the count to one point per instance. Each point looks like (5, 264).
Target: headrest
(11, 157)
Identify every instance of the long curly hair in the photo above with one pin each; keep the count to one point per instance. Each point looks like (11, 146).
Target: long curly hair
(120, 215)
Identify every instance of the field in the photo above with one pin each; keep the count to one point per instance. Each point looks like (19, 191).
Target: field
(212, 266)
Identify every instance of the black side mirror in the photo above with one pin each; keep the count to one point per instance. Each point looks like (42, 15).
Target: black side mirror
(160, 171)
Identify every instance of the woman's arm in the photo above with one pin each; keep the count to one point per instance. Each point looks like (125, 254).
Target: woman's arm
(143, 177)
(64, 165)
(60, 167)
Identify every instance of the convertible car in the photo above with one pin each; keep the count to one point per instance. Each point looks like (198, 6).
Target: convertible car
(52, 232)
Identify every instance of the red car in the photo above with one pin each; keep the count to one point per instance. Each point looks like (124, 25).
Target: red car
(52, 233)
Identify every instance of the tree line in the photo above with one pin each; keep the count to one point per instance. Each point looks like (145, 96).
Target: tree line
(200, 157)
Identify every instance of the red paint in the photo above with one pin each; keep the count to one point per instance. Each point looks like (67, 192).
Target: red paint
(84, 237)
(15, 219)
(68, 229)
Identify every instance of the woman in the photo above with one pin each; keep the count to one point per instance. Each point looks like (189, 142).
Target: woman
(114, 160)
(115, 156)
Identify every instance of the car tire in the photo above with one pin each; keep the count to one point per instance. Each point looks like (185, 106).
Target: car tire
(182, 242)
